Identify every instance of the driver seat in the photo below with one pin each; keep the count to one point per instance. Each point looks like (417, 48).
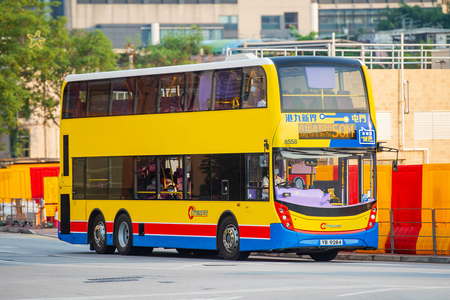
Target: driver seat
(299, 183)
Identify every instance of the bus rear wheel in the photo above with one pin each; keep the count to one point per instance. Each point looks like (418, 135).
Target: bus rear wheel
(228, 240)
(123, 235)
(324, 256)
(99, 236)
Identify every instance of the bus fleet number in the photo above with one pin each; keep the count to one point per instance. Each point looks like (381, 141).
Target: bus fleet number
(290, 141)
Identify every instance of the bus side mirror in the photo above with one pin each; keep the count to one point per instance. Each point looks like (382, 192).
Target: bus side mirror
(395, 165)
(389, 149)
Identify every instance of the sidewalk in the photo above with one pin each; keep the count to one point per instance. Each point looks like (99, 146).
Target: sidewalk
(50, 232)
(53, 232)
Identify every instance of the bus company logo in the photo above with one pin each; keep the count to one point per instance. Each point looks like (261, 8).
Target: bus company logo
(325, 226)
(366, 136)
(192, 212)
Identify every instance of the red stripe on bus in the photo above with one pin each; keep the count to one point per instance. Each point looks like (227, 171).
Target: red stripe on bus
(259, 232)
(78, 226)
(246, 231)
(178, 229)
(109, 227)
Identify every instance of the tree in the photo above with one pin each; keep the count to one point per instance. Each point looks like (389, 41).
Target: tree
(413, 16)
(174, 49)
(31, 73)
(293, 32)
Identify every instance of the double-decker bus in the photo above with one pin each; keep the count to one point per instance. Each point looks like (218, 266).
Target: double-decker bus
(250, 154)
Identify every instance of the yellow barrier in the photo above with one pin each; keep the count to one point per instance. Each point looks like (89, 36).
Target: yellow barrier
(435, 196)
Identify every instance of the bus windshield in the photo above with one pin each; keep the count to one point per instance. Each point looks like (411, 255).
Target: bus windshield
(324, 178)
(322, 87)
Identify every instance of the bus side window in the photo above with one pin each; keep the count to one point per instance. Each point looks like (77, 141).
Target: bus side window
(199, 87)
(171, 168)
(257, 170)
(147, 94)
(99, 96)
(254, 87)
(123, 96)
(228, 89)
(146, 177)
(200, 176)
(226, 168)
(79, 179)
(74, 100)
(172, 93)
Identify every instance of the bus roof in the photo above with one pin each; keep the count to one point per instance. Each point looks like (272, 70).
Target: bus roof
(284, 60)
(240, 61)
(172, 69)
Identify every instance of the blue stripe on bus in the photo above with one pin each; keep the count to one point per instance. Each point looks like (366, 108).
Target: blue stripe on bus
(74, 237)
(170, 241)
(254, 244)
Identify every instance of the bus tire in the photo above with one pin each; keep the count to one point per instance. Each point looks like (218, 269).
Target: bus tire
(325, 256)
(99, 236)
(228, 240)
(123, 235)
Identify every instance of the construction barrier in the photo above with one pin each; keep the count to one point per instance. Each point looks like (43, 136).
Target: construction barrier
(31, 181)
(22, 212)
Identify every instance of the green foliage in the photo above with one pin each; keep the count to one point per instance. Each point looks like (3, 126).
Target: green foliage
(31, 77)
(90, 52)
(174, 49)
(293, 32)
(404, 15)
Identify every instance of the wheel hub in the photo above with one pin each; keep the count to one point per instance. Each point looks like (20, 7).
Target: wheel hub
(230, 238)
(123, 234)
(100, 234)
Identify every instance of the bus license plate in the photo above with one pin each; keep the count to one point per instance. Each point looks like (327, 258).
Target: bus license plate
(331, 242)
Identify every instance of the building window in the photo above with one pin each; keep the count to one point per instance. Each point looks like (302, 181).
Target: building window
(290, 19)
(270, 22)
(431, 125)
(348, 20)
(229, 22)
(20, 143)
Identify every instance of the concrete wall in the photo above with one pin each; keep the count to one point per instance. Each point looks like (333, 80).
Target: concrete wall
(429, 92)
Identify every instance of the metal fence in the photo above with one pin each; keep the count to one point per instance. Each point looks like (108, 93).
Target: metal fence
(23, 212)
(430, 233)
(375, 56)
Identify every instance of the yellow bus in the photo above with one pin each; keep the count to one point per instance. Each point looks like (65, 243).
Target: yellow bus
(250, 154)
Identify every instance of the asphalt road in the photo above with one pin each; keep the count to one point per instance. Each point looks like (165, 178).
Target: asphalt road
(39, 267)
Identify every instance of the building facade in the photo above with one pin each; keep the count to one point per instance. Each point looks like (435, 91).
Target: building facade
(227, 19)
(349, 17)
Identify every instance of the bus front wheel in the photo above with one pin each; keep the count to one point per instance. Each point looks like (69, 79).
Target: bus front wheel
(324, 256)
(228, 240)
(99, 236)
(124, 235)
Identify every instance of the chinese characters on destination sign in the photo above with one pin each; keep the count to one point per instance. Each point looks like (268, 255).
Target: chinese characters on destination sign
(326, 131)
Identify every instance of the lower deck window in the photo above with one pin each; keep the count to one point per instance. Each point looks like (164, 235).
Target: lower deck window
(190, 177)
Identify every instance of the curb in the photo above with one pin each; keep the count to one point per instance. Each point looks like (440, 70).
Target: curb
(17, 230)
(372, 257)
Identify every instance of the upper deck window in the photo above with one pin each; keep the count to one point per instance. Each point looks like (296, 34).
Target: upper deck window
(99, 95)
(322, 87)
(208, 90)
